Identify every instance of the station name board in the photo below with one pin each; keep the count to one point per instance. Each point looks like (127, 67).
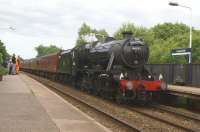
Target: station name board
(181, 51)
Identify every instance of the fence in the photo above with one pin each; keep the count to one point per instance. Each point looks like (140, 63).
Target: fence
(188, 74)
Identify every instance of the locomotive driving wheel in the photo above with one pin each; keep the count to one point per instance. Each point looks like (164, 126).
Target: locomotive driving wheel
(105, 86)
(86, 84)
(143, 95)
(119, 97)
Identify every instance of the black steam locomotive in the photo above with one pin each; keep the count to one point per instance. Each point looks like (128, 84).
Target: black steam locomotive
(113, 69)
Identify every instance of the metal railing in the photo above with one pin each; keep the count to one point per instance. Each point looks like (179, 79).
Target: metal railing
(185, 74)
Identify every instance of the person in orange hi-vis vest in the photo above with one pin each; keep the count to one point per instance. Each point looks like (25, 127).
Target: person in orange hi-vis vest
(17, 65)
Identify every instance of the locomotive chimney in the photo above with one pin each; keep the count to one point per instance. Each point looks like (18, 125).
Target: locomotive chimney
(127, 34)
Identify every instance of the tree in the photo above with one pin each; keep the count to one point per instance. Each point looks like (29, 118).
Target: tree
(1, 58)
(86, 30)
(162, 38)
(167, 30)
(45, 50)
(101, 34)
(83, 31)
(3, 70)
(3, 52)
(162, 54)
(138, 31)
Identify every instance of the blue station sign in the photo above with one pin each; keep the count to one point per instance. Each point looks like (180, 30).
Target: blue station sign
(181, 51)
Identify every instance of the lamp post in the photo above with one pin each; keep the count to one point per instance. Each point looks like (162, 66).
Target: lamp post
(190, 38)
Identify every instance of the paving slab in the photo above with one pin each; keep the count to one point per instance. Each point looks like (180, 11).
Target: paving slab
(67, 117)
(20, 111)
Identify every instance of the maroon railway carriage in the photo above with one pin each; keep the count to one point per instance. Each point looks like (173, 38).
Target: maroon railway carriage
(48, 63)
(46, 66)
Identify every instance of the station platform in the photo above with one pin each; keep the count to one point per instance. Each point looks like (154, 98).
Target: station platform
(185, 90)
(28, 106)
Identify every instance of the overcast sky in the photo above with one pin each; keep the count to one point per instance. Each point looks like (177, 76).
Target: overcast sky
(57, 21)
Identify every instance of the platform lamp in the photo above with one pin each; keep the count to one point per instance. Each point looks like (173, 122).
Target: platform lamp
(190, 40)
(11, 28)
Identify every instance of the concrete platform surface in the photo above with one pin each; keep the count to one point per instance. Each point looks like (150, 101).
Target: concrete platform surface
(28, 106)
(20, 111)
(184, 89)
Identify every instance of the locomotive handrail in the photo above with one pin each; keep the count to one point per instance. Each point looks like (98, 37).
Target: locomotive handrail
(112, 57)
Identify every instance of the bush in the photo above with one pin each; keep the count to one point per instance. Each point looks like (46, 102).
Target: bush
(1, 58)
(3, 71)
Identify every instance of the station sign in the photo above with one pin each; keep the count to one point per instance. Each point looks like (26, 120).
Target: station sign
(181, 51)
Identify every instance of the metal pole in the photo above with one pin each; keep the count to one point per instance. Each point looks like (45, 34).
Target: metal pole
(191, 28)
(190, 43)
(190, 36)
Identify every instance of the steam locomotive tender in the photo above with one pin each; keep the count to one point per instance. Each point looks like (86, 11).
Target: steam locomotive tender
(113, 69)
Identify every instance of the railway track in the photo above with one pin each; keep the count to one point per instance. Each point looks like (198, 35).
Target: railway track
(174, 111)
(126, 123)
(175, 124)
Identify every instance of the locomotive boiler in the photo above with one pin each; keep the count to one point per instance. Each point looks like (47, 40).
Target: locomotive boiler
(130, 52)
